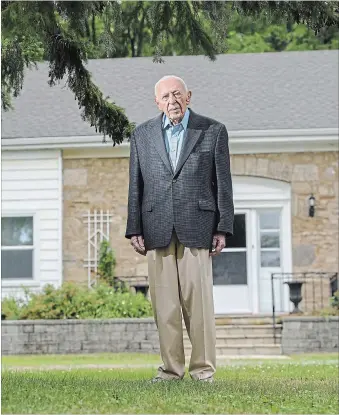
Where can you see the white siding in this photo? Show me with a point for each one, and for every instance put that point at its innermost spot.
(32, 184)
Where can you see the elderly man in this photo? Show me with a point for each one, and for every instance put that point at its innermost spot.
(180, 211)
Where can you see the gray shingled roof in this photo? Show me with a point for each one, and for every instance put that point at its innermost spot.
(244, 91)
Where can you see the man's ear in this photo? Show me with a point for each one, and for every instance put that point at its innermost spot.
(189, 96)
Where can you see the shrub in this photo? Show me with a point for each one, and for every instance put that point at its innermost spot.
(107, 262)
(10, 309)
(335, 301)
(73, 301)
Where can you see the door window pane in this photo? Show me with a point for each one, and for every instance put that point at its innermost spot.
(269, 219)
(238, 240)
(17, 264)
(269, 240)
(230, 268)
(16, 231)
(270, 259)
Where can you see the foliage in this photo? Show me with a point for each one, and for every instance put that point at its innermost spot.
(74, 301)
(107, 263)
(10, 308)
(335, 301)
(278, 38)
(65, 50)
(67, 33)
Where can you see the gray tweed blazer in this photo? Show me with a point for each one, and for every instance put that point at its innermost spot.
(196, 199)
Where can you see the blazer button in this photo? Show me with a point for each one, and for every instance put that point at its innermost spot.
(174, 180)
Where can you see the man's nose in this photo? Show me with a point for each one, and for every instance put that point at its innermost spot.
(172, 99)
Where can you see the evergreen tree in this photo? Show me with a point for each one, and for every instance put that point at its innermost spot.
(67, 30)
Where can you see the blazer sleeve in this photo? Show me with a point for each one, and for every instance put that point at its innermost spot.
(224, 189)
(135, 192)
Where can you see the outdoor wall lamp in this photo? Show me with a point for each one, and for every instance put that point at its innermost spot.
(311, 204)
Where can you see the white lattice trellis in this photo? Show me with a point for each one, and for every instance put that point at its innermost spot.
(98, 227)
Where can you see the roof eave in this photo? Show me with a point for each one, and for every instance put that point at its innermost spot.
(246, 141)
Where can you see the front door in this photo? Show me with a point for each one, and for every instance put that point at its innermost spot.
(232, 269)
(242, 272)
(270, 241)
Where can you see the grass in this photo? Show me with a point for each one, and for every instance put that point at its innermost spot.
(80, 359)
(122, 359)
(316, 357)
(260, 388)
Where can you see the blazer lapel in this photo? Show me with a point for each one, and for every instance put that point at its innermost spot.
(159, 142)
(192, 136)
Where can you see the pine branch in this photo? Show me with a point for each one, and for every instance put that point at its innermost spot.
(66, 58)
(13, 63)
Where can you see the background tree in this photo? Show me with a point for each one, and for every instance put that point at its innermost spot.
(67, 33)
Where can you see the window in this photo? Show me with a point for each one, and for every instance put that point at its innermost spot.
(17, 247)
(269, 225)
(230, 267)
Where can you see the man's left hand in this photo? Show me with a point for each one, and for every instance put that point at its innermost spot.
(219, 243)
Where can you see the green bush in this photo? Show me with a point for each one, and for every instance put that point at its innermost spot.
(335, 300)
(73, 301)
(107, 263)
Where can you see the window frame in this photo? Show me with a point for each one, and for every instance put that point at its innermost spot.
(15, 282)
(267, 231)
(246, 249)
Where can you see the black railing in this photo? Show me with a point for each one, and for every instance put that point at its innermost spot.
(312, 290)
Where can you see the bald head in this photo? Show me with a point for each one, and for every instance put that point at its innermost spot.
(172, 97)
(170, 77)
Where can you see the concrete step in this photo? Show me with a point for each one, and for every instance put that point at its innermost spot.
(244, 349)
(244, 319)
(248, 339)
(246, 329)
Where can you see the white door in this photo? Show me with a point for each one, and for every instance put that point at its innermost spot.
(242, 272)
(232, 269)
(271, 255)
(261, 245)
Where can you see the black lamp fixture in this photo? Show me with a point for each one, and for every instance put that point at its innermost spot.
(311, 206)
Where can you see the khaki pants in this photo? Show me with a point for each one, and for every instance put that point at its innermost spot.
(181, 284)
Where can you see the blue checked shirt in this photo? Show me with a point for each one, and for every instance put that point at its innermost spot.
(174, 136)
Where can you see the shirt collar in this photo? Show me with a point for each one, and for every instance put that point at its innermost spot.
(184, 122)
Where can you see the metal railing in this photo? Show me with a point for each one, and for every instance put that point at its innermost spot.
(312, 290)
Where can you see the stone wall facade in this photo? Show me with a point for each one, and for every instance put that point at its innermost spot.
(102, 183)
(79, 336)
(310, 335)
(96, 184)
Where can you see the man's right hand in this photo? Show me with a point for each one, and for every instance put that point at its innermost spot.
(137, 242)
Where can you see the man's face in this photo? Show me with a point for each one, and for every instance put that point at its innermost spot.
(172, 99)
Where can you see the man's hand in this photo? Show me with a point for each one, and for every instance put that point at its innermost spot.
(219, 243)
(138, 244)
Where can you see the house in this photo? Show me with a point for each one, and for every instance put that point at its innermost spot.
(64, 190)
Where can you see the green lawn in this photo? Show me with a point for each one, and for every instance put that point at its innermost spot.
(128, 359)
(81, 359)
(254, 388)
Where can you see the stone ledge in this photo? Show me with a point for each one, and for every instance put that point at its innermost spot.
(79, 336)
(310, 334)
(79, 321)
(309, 318)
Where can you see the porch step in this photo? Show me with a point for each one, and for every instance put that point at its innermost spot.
(250, 319)
(246, 329)
(243, 350)
(244, 335)
(247, 339)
